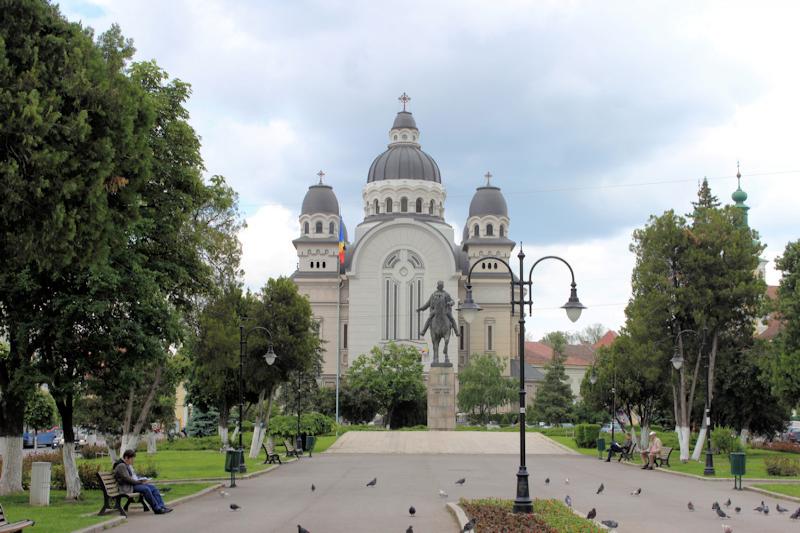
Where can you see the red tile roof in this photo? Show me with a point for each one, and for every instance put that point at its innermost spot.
(538, 353)
(606, 340)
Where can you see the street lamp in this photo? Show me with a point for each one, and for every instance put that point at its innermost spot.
(677, 362)
(269, 358)
(593, 380)
(469, 310)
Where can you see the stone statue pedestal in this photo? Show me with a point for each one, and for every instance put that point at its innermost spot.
(442, 397)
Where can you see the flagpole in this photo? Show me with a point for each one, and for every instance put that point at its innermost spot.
(338, 338)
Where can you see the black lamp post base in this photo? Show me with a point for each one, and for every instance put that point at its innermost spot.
(523, 503)
(709, 469)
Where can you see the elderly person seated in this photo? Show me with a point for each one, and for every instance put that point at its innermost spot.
(617, 448)
(654, 450)
(128, 481)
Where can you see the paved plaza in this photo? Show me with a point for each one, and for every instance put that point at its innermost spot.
(281, 499)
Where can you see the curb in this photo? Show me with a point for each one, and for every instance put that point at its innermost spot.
(220, 479)
(102, 526)
(190, 497)
(773, 494)
(459, 514)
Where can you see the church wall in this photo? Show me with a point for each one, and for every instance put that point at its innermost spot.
(322, 296)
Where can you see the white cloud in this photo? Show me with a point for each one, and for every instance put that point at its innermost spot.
(267, 249)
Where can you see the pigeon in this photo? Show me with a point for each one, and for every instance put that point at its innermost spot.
(636, 492)
(592, 514)
(721, 513)
(313, 488)
(715, 506)
(373, 482)
(600, 488)
(760, 508)
(690, 505)
(566, 481)
(412, 511)
(470, 526)
(442, 493)
(461, 481)
(223, 494)
(766, 509)
(737, 509)
(547, 481)
(410, 529)
(610, 524)
(568, 501)
(235, 507)
(728, 503)
(301, 529)
(795, 515)
(780, 509)
(726, 528)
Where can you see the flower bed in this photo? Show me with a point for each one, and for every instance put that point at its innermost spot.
(549, 516)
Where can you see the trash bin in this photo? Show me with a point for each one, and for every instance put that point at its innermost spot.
(311, 440)
(298, 444)
(40, 484)
(738, 460)
(601, 447)
(232, 460)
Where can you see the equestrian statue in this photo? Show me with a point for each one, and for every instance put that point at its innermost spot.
(440, 321)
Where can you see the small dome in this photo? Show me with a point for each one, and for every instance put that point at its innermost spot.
(739, 196)
(488, 200)
(320, 199)
(404, 119)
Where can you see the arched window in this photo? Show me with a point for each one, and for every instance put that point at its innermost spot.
(305, 228)
(323, 265)
(430, 208)
(388, 205)
(330, 228)
(395, 136)
(318, 227)
(404, 204)
(502, 230)
(377, 207)
(419, 205)
(489, 230)
(312, 264)
(476, 231)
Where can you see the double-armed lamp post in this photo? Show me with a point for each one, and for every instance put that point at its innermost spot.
(469, 310)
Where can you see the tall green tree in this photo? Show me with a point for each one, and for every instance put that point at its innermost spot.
(553, 402)
(391, 376)
(785, 356)
(482, 386)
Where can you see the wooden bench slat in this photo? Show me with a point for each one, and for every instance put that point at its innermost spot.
(9, 527)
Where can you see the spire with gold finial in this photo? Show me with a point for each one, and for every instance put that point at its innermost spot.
(739, 196)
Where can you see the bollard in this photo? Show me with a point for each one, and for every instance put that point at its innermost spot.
(40, 484)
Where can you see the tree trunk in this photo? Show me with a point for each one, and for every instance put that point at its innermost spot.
(744, 435)
(71, 476)
(151, 442)
(683, 420)
(11, 476)
(262, 426)
(704, 429)
(222, 425)
(130, 436)
(701, 439)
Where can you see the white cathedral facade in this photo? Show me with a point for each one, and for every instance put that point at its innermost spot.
(396, 256)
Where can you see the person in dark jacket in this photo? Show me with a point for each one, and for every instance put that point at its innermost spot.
(617, 448)
(128, 481)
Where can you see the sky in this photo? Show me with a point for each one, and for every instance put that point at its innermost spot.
(591, 116)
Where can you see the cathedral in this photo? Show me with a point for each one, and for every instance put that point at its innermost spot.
(369, 295)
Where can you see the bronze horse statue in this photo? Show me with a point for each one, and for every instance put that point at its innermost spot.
(440, 321)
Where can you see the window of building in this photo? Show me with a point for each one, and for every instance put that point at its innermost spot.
(461, 337)
(476, 230)
(404, 204)
(318, 227)
(331, 228)
(502, 230)
(419, 205)
(344, 335)
(323, 264)
(311, 265)
(489, 340)
(430, 208)
(489, 230)
(388, 205)
(305, 228)
(377, 207)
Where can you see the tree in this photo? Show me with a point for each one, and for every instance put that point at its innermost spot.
(391, 376)
(591, 334)
(553, 402)
(785, 356)
(40, 412)
(483, 387)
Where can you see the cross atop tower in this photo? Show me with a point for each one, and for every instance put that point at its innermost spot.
(488, 177)
(404, 99)
(321, 175)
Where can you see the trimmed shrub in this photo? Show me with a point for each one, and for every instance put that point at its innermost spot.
(310, 424)
(586, 435)
(723, 440)
(192, 444)
(782, 466)
(93, 451)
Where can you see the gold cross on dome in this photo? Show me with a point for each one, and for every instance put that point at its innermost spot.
(488, 177)
(321, 175)
(404, 98)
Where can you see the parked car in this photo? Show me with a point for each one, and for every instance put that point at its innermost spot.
(58, 442)
(792, 435)
(43, 439)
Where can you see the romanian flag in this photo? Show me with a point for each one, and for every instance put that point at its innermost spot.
(341, 242)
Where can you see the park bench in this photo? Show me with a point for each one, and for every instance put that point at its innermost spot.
(627, 455)
(291, 450)
(12, 527)
(111, 494)
(269, 449)
(663, 458)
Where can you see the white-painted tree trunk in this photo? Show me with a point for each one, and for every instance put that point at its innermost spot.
(35, 440)
(744, 436)
(11, 475)
(151, 443)
(223, 435)
(91, 439)
(235, 437)
(129, 442)
(259, 432)
(701, 439)
(683, 440)
(71, 476)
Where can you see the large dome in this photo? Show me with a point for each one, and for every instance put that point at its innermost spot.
(404, 159)
(320, 199)
(488, 201)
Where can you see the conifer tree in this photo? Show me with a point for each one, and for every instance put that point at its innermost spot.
(553, 403)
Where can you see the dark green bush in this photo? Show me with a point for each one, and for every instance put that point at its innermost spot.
(310, 424)
(193, 443)
(778, 465)
(203, 423)
(586, 435)
(723, 440)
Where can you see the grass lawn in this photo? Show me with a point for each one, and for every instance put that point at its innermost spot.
(783, 488)
(197, 464)
(754, 466)
(323, 443)
(62, 516)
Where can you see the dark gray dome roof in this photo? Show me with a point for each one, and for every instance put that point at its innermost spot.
(320, 199)
(488, 201)
(404, 119)
(404, 161)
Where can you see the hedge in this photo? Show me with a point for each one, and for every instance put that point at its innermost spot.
(586, 435)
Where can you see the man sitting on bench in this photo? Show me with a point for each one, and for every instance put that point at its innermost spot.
(616, 448)
(649, 455)
(128, 481)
